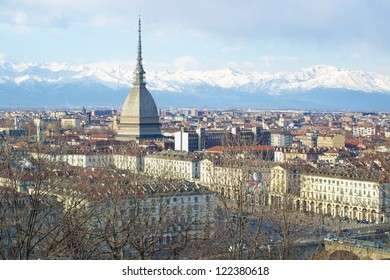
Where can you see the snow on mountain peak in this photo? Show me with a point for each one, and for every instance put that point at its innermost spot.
(114, 75)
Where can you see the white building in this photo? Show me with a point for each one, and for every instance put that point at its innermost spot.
(281, 138)
(364, 130)
(346, 193)
(173, 164)
(133, 163)
(76, 156)
(70, 123)
(189, 141)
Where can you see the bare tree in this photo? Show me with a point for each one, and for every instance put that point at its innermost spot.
(258, 209)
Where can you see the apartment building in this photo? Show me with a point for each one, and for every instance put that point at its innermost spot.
(352, 194)
(281, 138)
(364, 130)
(173, 164)
(331, 141)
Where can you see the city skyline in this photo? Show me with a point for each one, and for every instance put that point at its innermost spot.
(253, 36)
(265, 134)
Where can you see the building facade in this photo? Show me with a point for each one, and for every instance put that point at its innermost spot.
(190, 141)
(346, 195)
(364, 130)
(331, 141)
(169, 164)
(281, 138)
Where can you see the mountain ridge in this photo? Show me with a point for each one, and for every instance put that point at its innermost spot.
(48, 81)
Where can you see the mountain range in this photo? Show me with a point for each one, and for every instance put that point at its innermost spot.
(321, 87)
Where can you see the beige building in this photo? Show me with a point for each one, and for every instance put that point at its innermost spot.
(224, 178)
(234, 178)
(309, 141)
(331, 141)
(288, 154)
(283, 185)
(328, 157)
(70, 123)
(20, 181)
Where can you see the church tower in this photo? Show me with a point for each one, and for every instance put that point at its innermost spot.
(139, 117)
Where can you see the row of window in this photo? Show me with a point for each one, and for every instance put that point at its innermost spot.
(339, 182)
(354, 191)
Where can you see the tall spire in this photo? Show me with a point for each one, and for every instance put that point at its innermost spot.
(139, 70)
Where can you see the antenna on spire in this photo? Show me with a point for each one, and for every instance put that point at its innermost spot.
(139, 70)
(139, 58)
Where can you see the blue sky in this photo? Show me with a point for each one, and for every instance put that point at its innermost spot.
(254, 35)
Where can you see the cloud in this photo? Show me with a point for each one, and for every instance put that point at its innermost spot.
(2, 56)
(19, 18)
(237, 31)
(269, 60)
(233, 48)
(246, 65)
(18, 21)
(57, 20)
(317, 20)
(185, 62)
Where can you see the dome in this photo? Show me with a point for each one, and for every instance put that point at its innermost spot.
(139, 104)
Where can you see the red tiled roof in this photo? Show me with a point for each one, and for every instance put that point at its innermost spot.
(19, 144)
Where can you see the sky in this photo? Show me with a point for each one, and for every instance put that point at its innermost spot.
(252, 35)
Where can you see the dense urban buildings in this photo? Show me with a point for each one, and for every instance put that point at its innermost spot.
(142, 183)
(225, 154)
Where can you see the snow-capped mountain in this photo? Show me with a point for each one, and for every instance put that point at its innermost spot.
(107, 83)
(321, 76)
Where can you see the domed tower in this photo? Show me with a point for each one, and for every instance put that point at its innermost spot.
(139, 117)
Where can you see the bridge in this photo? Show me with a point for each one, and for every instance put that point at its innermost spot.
(363, 250)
